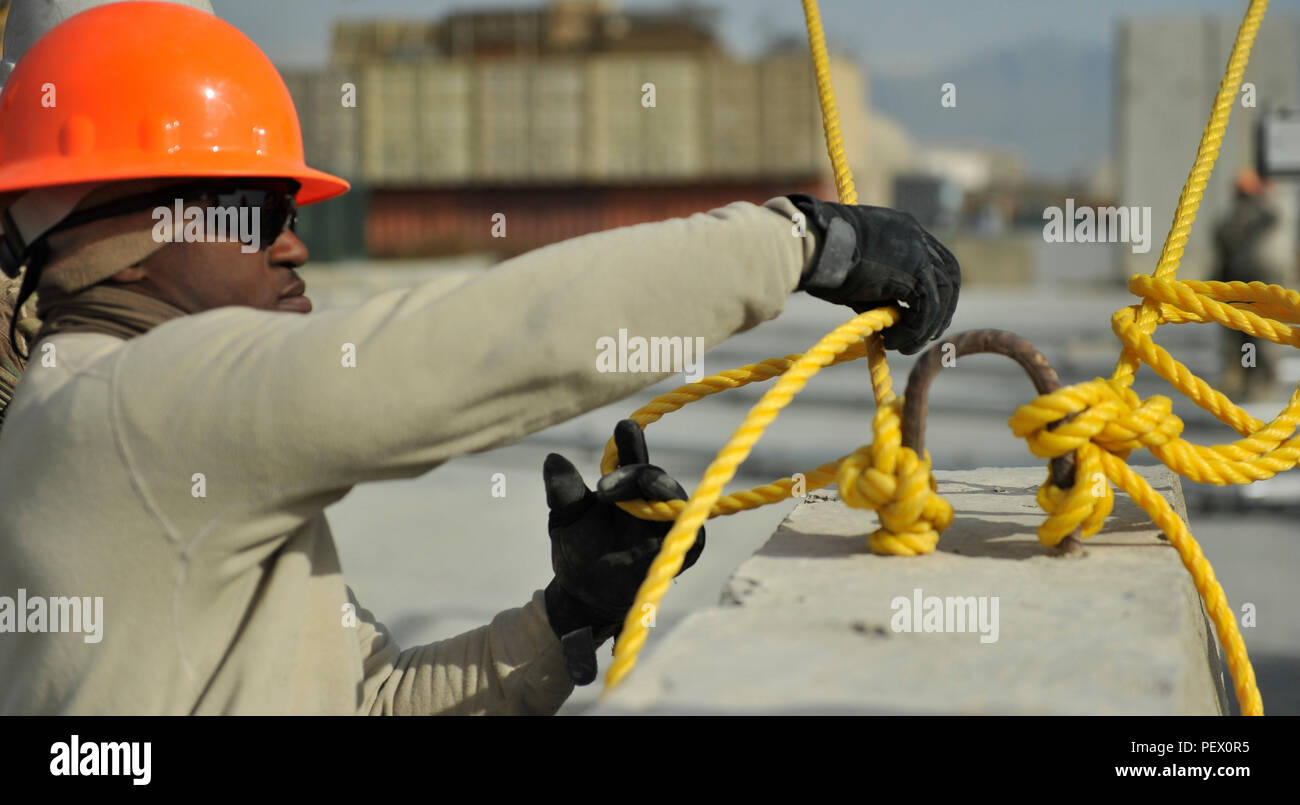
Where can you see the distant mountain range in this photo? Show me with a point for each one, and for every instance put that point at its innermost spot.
(1049, 98)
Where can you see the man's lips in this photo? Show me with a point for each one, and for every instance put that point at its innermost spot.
(293, 300)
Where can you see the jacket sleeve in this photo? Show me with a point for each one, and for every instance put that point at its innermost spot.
(283, 413)
(513, 666)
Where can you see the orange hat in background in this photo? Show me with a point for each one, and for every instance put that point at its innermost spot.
(1248, 182)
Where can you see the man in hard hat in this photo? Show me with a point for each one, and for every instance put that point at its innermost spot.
(180, 426)
(1249, 362)
(21, 28)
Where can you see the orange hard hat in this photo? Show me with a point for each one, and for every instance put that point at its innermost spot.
(142, 90)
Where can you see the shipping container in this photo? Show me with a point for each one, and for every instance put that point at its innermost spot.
(445, 123)
(505, 33)
(332, 130)
(732, 138)
(388, 101)
(615, 119)
(335, 229)
(556, 141)
(793, 142)
(352, 43)
(672, 129)
(296, 81)
(563, 121)
(501, 101)
(432, 222)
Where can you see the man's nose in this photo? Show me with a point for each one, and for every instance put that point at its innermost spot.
(288, 250)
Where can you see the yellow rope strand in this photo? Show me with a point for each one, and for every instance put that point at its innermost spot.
(844, 187)
(1206, 155)
(693, 392)
(1106, 420)
(701, 505)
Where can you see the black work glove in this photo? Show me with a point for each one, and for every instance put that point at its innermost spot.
(599, 552)
(873, 256)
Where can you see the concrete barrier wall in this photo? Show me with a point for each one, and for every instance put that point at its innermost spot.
(813, 623)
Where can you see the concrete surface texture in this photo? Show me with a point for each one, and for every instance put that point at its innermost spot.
(813, 623)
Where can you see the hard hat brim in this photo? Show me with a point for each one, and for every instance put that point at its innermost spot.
(31, 174)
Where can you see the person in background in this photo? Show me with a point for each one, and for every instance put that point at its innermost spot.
(1240, 256)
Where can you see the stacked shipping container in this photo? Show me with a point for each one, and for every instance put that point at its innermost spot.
(390, 136)
(334, 136)
(615, 151)
(790, 117)
(556, 140)
(501, 101)
(732, 126)
(430, 133)
(444, 124)
(423, 222)
(671, 130)
(451, 122)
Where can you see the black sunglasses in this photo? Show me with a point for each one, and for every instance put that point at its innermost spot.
(275, 201)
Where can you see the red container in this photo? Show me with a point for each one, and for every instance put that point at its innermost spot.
(432, 222)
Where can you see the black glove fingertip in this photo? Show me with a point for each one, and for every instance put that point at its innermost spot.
(579, 648)
(629, 438)
(563, 483)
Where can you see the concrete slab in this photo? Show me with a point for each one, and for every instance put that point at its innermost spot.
(813, 623)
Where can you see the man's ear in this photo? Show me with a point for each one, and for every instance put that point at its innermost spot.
(133, 273)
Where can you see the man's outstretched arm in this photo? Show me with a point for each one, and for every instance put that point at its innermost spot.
(283, 410)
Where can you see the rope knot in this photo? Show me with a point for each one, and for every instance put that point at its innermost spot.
(1085, 418)
(1084, 506)
(898, 484)
(1068, 418)
(1142, 423)
(1105, 413)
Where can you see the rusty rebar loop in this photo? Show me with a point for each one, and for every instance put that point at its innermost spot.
(973, 342)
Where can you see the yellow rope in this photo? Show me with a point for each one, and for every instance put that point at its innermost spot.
(1106, 420)
(1110, 420)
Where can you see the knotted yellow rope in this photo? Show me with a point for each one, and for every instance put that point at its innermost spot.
(1106, 420)
(1110, 420)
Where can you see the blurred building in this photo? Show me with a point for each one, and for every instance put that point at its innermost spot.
(889, 153)
(967, 187)
(933, 199)
(565, 119)
(1168, 72)
(565, 27)
(973, 169)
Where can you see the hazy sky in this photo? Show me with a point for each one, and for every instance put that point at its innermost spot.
(897, 36)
